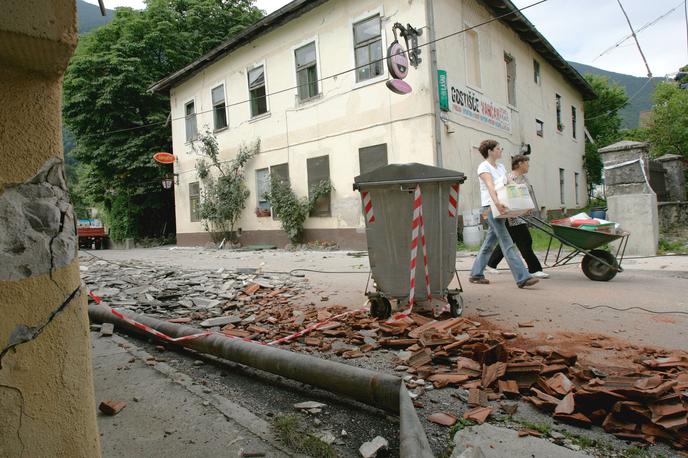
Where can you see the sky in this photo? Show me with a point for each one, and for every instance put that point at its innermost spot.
(582, 29)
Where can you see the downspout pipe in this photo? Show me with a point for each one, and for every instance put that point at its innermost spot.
(375, 389)
(430, 23)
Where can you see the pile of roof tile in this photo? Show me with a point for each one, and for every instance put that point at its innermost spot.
(649, 404)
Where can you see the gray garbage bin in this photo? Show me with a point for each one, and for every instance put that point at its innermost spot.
(387, 196)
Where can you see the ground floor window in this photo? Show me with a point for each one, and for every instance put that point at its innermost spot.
(372, 157)
(194, 201)
(319, 170)
(562, 186)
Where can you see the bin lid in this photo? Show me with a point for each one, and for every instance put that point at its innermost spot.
(407, 173)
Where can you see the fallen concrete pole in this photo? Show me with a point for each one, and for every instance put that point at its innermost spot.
(379, 390)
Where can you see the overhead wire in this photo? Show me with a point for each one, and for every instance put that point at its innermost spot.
(630, 35)
(325, 78)
(635, 37)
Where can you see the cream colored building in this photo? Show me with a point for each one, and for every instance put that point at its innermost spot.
(498, 80)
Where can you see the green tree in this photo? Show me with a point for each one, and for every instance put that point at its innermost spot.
(224, 191)
(603, 122)
(106, 103)
(291, 210)
(668, 126)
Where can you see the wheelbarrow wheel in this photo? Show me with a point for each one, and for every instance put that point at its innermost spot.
(455, 304)
(596, 270)
(380, 307)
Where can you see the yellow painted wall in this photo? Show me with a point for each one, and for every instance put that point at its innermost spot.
(47, 405)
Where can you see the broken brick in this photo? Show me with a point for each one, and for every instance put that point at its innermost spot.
(251, 289)
(566, 405)
(508, 388)
(560, 384)
(442, 380)
(477, 397)
(491, 373)
(478, 414)
(112, 407)
(420, 358)
(443, 418)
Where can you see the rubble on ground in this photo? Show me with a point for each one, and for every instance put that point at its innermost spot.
(648, 403)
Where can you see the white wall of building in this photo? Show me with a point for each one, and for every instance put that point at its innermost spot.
(349, 115)
(346, 117)
(552, 151)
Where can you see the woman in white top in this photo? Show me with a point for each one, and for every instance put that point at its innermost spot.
(492, 174)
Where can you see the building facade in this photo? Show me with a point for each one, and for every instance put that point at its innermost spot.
(307, 81)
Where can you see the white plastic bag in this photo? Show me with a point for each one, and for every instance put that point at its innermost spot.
(516, 198)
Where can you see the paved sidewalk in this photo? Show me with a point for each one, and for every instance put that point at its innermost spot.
(173, 416)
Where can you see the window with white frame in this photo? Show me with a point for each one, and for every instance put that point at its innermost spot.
(574, 120)
(472, 58)
(372, 157)
(510, 64)
(562, 186)
(318, 169)
(190, 121)
(219, 107)
(194, 202)
(306, 71)
(536, 72)
(576, 182)
(539, 128)
(281, 173)
(256, 89)
(560, 125)
(262, 189)
(368, 48)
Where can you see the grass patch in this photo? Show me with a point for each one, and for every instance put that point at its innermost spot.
(458, 426)
(542, 428)
(541, 240)
(673, 246)
(297, 437)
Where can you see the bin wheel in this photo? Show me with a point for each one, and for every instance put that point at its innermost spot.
(455, 304)
(597, 271)
(380, 307)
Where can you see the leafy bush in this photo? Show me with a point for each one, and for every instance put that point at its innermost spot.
(224, 195)
(291, 210)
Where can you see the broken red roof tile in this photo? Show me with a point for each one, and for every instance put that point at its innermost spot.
(420, 358)
(508, 388)
(560, 384)
(442, 380)
(492, 373)
(577, 419)
(566, 405)
(478, 414)
(443, 418)
(477, 397)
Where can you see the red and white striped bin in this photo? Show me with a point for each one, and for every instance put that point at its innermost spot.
(410, 213)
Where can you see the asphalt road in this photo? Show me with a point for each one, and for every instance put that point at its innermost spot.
(659, 284)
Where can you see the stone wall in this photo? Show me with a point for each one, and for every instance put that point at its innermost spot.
(672, 216)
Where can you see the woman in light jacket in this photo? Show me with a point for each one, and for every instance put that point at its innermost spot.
(518, 227)
(492, 174)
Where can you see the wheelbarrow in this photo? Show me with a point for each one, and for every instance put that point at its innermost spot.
(598, 264)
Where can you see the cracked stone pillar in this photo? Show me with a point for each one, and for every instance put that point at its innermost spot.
(631, 202)
(47, 406)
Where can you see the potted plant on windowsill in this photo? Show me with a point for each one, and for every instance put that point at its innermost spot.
(263, 212)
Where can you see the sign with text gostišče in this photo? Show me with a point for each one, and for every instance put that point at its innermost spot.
(476, 106)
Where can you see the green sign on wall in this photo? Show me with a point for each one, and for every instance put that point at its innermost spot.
(443, 90)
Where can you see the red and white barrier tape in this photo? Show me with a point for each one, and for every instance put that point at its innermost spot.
(368, 207)
(453, 200)
(313, 327)
(164, 336)
(417, 227)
